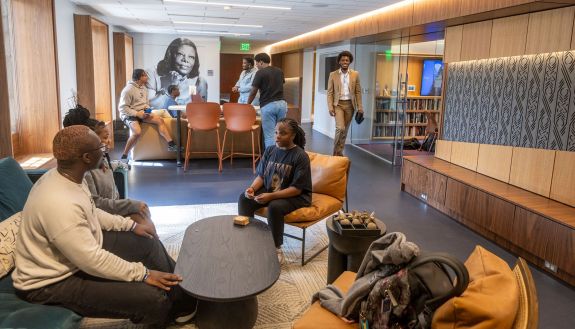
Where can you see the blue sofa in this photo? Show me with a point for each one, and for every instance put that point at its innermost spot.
(14, 312)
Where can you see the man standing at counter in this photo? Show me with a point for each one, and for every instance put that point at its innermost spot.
(269, 80)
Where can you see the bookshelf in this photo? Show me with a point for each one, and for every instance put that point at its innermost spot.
(388, 116)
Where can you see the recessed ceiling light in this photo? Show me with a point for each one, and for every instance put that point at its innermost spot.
(320, 5)
(221, 4)
(227, 7)
(217, 24)
(213, 32)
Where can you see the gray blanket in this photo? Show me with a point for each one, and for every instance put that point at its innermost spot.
(385, 256)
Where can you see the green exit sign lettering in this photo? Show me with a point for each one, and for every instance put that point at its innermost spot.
(244, 46)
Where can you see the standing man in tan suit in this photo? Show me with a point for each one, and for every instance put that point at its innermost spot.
(343, 98)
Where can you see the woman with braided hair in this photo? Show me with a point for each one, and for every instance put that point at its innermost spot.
(283, 182)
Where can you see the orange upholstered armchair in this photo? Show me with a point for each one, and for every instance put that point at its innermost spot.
(329, 192)
(497, 297)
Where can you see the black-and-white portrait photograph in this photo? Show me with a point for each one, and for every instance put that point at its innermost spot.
(177, 61)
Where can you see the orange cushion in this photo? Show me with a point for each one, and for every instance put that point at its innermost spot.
(321, 206)
(490, 301)
(319, 318)
(329, 174)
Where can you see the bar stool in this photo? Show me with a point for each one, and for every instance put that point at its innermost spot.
(203, 117)
(241, 118)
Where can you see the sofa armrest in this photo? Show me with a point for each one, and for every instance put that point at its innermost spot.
(35, 174)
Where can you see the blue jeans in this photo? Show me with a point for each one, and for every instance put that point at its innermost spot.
(271, 113)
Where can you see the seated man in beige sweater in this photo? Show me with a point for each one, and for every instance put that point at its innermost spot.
(72, 254)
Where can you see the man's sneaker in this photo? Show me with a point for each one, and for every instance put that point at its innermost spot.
(172, 148)
(281, 256)
(186, 317)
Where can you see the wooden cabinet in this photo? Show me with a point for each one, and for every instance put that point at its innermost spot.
(498, 217)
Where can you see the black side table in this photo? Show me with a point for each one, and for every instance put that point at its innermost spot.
(345, 253)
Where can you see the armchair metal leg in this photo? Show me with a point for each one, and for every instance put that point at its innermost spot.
(302, 239)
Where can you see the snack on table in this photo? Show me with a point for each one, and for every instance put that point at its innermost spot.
(357, 219)
(241, 220)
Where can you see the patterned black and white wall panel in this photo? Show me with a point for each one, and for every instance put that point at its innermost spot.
(525, 101)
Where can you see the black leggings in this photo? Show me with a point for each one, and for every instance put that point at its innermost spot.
(277, 209)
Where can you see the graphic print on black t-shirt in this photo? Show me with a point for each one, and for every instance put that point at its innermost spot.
(281, 169)
(278, 172)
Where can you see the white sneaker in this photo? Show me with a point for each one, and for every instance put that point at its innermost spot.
(281, 256)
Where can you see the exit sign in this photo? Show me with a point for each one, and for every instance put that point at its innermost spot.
(244, 46)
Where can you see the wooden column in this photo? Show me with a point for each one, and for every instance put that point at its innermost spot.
(93, 66)
(35, 88)
(5, 129)
(123, 63)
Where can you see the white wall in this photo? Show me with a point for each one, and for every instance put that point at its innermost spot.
(322, 121)
(64, 15)
(150, 48)
(307, 86)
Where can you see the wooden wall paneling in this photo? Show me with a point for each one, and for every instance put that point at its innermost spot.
(550, 31)
(427, 11)
(397, 18)
(545, 239)
(475, 7)
(476, 40)
(465, 154)
(532, 169)
(123, 63)
(84, 62)
(5, 126)
(366, 26)
(460, 201)
(102, 85)
(443, 149)
(35, 56)
(433, 188)
(230, 70)
(410, 178)
(509, 36)
(453, 38)
(563, 182)
(495, 161)
(494, 215)
(292, 64)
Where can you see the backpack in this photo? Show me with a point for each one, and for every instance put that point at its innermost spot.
(408, 298)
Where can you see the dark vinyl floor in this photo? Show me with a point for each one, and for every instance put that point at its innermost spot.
(374, 185)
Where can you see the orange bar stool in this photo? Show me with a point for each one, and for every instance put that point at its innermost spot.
(241, 118)
(203, 117)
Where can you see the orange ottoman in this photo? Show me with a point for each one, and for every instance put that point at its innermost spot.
(317, 317)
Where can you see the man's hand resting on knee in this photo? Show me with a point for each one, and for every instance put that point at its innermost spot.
(145, 227)
(162, 280)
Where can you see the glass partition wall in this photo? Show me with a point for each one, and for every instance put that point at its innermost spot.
(401, 81)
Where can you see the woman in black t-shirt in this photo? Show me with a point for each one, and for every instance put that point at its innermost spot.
(283, 182)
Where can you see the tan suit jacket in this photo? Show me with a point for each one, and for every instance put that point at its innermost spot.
(334, 90)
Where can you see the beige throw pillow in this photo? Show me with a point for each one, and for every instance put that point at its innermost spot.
(8, 233)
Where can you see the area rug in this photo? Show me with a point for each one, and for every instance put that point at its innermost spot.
(280, 305)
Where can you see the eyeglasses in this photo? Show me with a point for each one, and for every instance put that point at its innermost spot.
(102, 147)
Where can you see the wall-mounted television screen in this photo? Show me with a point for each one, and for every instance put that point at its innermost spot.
(431, 77)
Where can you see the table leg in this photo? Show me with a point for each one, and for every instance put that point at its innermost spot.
(178, 138)
(238, 315)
